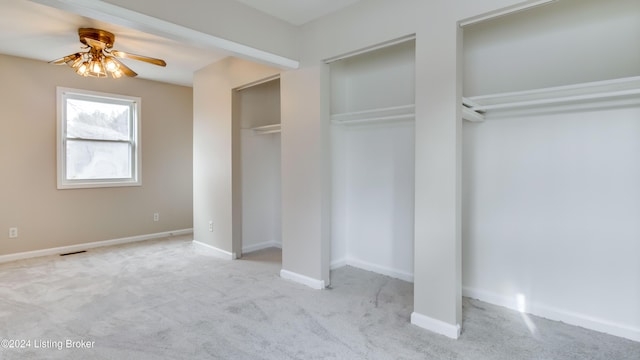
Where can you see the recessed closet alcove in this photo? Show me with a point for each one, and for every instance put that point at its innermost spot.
(257, 111)
(551, 163)
(372, 114)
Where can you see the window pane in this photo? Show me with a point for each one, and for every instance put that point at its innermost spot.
(98, 160)
(97, 120)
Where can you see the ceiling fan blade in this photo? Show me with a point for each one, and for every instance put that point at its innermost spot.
(66, 59)
(150, 60)
(124, 68)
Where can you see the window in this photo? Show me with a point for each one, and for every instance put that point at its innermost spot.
(98, 139)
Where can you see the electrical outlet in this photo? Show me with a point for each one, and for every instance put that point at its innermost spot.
(156, 216)
(13, 233)
(211, 225)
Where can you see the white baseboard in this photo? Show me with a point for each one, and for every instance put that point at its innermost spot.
(397, 274)
(90, 245)
(223, 254)
(551, 313)
(302, 279)
(435, 325)
(261, 246)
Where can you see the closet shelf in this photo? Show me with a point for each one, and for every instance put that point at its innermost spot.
(623, 88)
(380, 115)
(267, 129)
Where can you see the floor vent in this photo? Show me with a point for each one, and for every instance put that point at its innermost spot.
(73, 253)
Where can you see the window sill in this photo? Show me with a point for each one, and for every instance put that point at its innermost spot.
(96, 184)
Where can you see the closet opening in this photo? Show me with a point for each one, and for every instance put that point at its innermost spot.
(256, 116)
(551, 163)
(372, 138)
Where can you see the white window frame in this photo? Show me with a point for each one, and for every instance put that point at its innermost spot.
(135, 104)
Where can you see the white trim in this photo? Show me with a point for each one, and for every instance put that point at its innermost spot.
(505, 11)
(370, 48)
(551, 313)
(223, 254)
(261, 246)
(397, 274)
(135, 107)
(435, 325)
(103, 11)
(258, 82)
(91, 245)
(302, 279)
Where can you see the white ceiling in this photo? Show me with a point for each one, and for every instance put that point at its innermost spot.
(298, 12)
(41, 32)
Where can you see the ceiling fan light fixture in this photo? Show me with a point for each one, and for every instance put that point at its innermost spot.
(100, 60)
(75, 64)
(74, 61)
(110, 65)
(96, 69)
(83, 69)
(117, 74)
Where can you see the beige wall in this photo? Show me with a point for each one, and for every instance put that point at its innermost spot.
(47, 217)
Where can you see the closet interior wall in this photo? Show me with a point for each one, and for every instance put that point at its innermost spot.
(372, 111)
(551, 200)
(258, 110)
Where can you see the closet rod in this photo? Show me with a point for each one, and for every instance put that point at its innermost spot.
(264, 132)
(559, 100)
(267, 129)
(374, 119)
(373, 111)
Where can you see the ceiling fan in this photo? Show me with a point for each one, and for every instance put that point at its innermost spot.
(99, 58)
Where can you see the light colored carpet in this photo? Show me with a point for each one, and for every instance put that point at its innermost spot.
(166, 299)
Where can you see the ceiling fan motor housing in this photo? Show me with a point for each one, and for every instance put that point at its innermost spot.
(96, 34)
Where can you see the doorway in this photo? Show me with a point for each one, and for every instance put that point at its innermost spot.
(257, 112)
